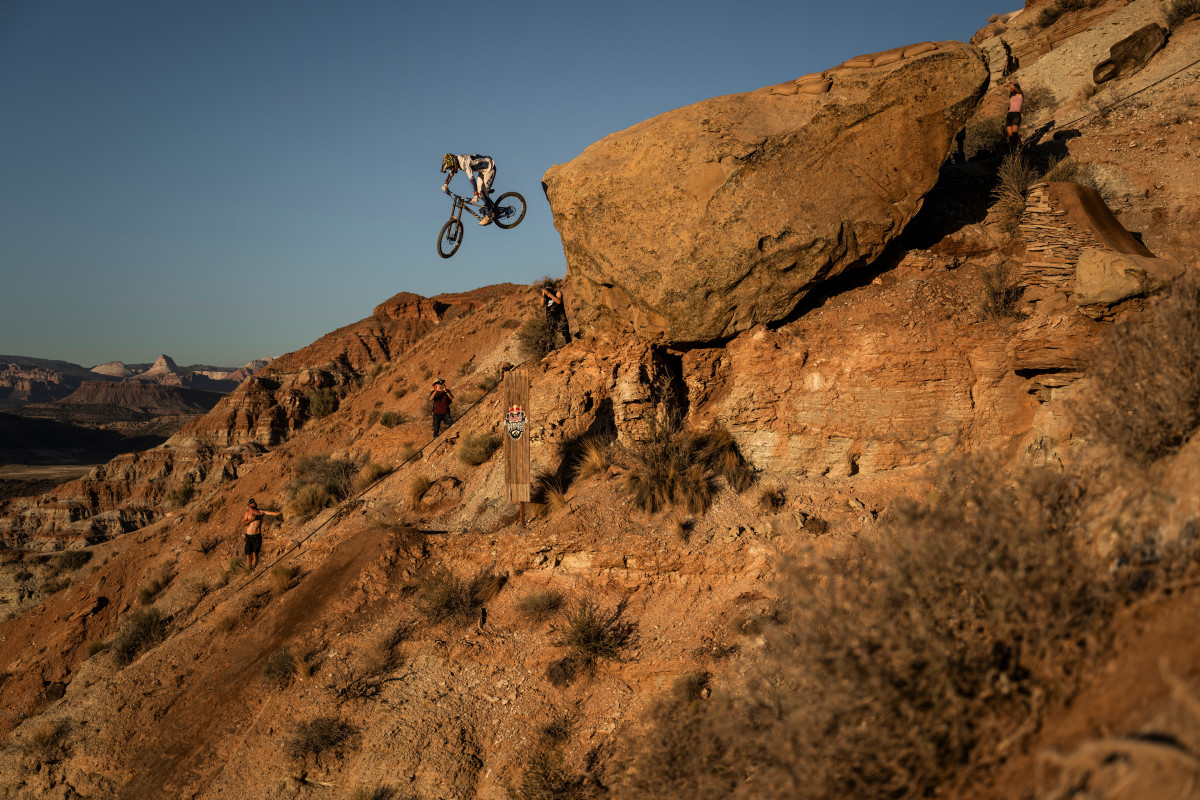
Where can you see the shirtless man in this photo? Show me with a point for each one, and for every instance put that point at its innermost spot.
(252, 522)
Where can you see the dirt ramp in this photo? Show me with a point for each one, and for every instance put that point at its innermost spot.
(1086, 208)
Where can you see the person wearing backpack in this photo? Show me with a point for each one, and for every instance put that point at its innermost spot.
(441, 397)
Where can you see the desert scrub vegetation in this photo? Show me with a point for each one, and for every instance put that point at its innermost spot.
(590, 634)
(984, 135)
(1146, 400)
(771, 499)
(317, 737)
(1181, 11)
(1051, 13)
(72, 560)
(183, 493)
(679, 467)
(418, 487)
(905, 662)
(157, 581)
(1013, 179)
(282, 576)
(390, 419)
(545, 777)
(536, 338)
(322, 402)
(141, 630)
(539, 605)
(279, 670)
(45, 741)
(321, 481)
(477, 448)
(446, 597)
(1001, 290)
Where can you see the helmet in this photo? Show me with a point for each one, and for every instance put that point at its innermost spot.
(449, 162)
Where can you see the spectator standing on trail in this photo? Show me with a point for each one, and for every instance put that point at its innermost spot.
(555, 312)
(441, 397)
(1012, 121)
(252, 522)
(481, 172)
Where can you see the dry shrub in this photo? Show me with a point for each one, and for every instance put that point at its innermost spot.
(539, 605)
(549, 489)
(46, 740)
(1013, 180)
(155, 584)
(902, 665)
(678, 467)
(182, 494)
(322, 402)
(1181, 11)
(592, 633)
(280, 669)
(368, 475)
(73, 559)
(448, 598)
(984, 135)
(95, 648)
(407, 451)
(771, 499)
(209, 543)
(545, 777)
(477, 448)
(418, 487)
(390, 419)
(1147, 378)
(317, 737)
(1001, 290)
(53, 585)
(333, 478)
(595, 456)
(536, 338)
(195, 589)
(141, 630)
(282, 576)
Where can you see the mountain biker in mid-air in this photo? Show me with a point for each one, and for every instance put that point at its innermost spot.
(481, 171)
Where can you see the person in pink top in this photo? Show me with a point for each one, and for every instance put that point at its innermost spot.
(1012, 121)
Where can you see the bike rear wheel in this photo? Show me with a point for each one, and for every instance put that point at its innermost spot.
(510, 210)
(450, 238)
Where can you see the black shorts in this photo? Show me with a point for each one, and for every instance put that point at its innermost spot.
(253, 543)
(1013, 118)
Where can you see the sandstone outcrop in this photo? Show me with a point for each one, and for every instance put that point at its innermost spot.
(705, 221)
(1129, 55)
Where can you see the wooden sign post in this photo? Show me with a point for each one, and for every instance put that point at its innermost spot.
(516, 438)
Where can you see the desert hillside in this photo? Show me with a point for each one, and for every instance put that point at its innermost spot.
(878, 486)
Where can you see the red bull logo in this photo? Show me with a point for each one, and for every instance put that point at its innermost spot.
(514, 422)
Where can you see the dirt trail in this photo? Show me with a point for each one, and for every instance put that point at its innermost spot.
(215, 706)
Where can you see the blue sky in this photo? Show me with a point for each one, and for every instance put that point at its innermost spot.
(221, 180)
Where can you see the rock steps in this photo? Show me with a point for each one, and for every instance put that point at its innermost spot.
(1052, 244)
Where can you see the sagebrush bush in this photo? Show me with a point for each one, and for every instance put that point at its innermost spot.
(477, 448)
(141, 630)
(183, 493)
(368, 475)
(322, 402)
(282, 576)
(390, 419)
(771, 499)
(538, 605)
(593, 633)
(317, 737)
(335, 475)
(1146, 376)
(280, 669)
(446, 597)
(46, 740)
(901, 664)
(536, 338)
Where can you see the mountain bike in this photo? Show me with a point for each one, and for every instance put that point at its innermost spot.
(507, 212)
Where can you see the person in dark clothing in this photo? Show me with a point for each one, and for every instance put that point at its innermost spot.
(555, 312)
(441, 397)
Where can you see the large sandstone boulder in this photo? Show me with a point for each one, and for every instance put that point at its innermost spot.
(707, 220)
(1129, 55)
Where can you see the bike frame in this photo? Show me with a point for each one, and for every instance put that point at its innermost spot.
(463, 204)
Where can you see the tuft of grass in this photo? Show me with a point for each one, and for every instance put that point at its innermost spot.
(54, 585)
(549, 489)
(1001, 290)
(1181, 11)
(418, 487)
(310, 500)
(595, 456)
(536, 338)
(771, 499)
(154, 585)
(390, 419)
(678, 467)
(545, 777)
(46, 741)
(1013, 180)
(477, 448)
(446, 597)
(561, 672)
(1147, 378)
(317, 737)
(592, 633)
(196, 588)
(369, 474)
(282, 576)
(183, 493)
(279, 671)
(984, 135)
(209, 543)
(336, 476)
(141, 630)
(539, 605)
(322, 402)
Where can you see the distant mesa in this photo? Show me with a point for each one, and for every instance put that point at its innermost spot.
(163, 366)
(249, 369)
(113, 369)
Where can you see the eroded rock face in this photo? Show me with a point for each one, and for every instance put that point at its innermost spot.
(707, 220)
(1129, 55)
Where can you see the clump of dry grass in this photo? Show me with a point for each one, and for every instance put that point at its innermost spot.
(900, 665)
(539, 605)
(418, 487)
(1013, 180)
(592, 633)
(536, 338)
(477, 448)
(1001, 289)
(984, 135)
(321, 481)
(155, 583)
(280, 669)
(1181, 11)
(141, 630)
(549, 489)
(1147, 378)
(45, 741)
(771, 499)
(679, 467)
(282, 576)
(446, 597)
(317, 737)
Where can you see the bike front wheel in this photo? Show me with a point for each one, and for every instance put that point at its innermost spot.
(450, 238)
(510, 210)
